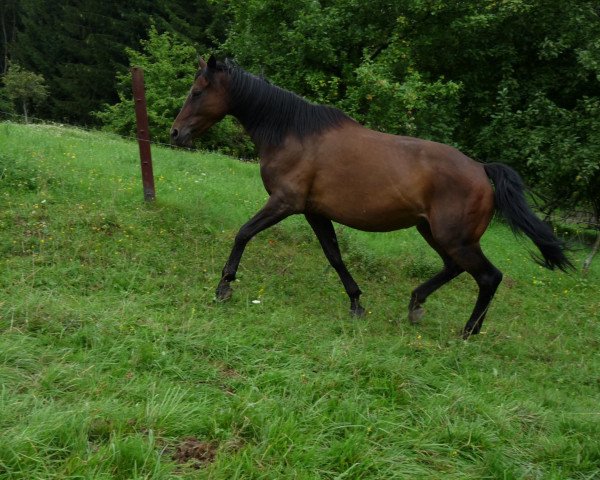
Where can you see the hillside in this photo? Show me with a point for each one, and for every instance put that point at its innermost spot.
(116, 362)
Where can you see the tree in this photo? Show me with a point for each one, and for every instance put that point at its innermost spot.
(80, 45)
(24, 87)
(8, 30)
(169, 64)
(347, 53)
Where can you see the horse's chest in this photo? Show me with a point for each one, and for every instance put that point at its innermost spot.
(284, 177)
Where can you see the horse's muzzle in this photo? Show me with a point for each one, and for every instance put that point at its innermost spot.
(181, 138)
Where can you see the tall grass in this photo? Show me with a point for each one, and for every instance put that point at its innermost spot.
(113, 351)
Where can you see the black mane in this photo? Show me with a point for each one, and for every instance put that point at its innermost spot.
(270, 113)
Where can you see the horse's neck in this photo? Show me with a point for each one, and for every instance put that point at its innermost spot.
(264, 122)
(270, 114)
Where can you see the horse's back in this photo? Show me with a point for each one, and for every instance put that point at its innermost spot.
(375, 181)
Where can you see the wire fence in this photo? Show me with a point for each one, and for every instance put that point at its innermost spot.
(584, 218)
(41, 121)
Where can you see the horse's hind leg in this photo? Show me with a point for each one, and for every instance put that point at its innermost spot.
(451, 270)
(325, 232)
(487, 276)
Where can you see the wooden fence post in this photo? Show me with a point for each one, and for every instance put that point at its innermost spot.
(143, 133)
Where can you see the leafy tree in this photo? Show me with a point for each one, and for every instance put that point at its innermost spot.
(411, 106)
(545, 116)
(556, 149)
(169, 65)
(6, 105)
(352, 54)
(536, 45)
(25, 88)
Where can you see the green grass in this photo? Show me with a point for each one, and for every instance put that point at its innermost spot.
(113, 351)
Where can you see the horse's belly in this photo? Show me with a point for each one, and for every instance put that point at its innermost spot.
(363, 215)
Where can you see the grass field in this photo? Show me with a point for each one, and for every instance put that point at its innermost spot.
(115, 361)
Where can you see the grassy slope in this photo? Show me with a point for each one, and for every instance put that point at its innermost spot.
(112, 350)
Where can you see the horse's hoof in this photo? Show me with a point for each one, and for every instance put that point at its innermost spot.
(224, 292)
(415, 316)
(357, 311)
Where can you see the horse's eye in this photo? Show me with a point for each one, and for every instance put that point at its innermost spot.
(197, 93)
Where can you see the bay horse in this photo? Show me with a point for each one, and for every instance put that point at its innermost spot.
(317, 161)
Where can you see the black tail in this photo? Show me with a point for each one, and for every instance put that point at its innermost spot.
(512, 205)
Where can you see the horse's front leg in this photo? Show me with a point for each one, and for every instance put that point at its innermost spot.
(273, 212)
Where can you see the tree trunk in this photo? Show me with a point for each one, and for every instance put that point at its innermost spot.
(25, 111)
(5, 38)
(588, 260)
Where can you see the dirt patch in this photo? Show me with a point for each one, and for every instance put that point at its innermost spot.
(509, 282)
(227, 370)
(195, 452)
(230, 372)
(227, 373)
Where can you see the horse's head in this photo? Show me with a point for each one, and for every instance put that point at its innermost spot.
(206, 104)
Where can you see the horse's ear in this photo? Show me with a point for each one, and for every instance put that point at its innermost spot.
(201, 63)
(212, 62)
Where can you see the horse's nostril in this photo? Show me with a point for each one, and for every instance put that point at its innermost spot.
(174, 133)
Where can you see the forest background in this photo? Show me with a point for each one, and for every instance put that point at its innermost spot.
(513, 81)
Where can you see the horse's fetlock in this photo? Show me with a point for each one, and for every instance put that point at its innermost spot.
(227, 276)
(416, 300)
(354, 293)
